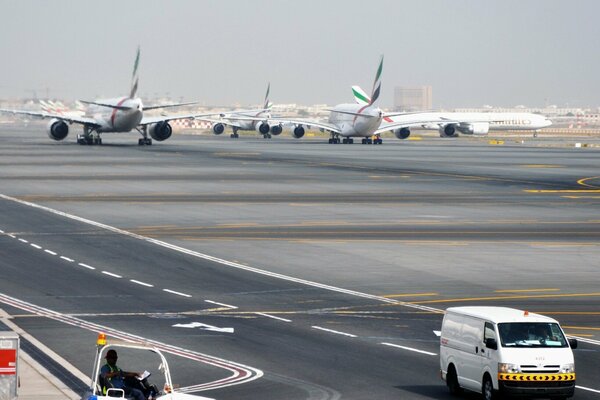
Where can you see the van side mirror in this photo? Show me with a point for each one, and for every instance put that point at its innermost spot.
(573, 343)
(491, 343)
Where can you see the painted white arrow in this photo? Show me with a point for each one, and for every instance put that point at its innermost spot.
(204, 327)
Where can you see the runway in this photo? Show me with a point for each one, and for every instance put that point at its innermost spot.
(330, 262)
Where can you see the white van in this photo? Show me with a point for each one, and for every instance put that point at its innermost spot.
(499, 350)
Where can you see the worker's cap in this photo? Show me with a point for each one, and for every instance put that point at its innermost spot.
(112, 354)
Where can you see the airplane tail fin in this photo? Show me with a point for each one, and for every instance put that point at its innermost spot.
(360, 96)
(267, 105)
(135, 76)
(377, 84)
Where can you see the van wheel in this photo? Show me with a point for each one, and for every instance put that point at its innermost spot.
(488, 389)
(452, 382)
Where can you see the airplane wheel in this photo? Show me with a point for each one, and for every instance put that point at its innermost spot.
(364, 141)
(351, 141)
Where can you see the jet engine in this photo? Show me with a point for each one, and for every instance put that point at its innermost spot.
(160, 131)
(475, 128)
(298, 132)
(218, 128)
(402, 133)
(276, 129)
(448, 130)
(57, 129)
(263, 128)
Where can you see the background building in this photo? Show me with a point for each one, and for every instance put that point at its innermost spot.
(416, 98)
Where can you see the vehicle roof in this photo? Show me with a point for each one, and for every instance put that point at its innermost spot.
(499, 314)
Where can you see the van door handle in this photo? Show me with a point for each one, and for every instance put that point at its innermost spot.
(476, 350)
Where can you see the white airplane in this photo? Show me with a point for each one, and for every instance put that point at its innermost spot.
(262, 127)
(349, 120)
(449, 124)
(122, 114)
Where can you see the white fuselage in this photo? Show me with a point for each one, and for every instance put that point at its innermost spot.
(249, 125)
(356, 125)
(496, 121)
(117, 120)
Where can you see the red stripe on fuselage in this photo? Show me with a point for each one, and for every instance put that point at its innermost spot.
(388, 119)
(114, 113)
(359, 111)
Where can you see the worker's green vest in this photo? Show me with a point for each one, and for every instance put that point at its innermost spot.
(115, 369)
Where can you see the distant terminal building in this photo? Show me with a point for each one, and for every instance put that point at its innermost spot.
(416, 98)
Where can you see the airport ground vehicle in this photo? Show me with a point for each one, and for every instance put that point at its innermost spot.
(167, 392)
(504, 351)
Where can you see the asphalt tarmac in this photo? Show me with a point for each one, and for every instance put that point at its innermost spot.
(295, 269)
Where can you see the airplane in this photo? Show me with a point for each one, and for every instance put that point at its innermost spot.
(348, 120)
(122, 114)
(218, 126)
(449, 124)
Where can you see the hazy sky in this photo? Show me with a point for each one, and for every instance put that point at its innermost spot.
(501, 53)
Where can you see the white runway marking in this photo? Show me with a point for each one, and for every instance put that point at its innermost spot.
(410, 349)
(332, 331)
(86, 266)
(588, 389)
(141, 283)
(23, 240)
(204, 327)
(177, 293)
(274, 317)
(12, 236)
(50, 252)
(1, 231)
(67, 259)
(111, 274)
(221, 304)
(36, 246)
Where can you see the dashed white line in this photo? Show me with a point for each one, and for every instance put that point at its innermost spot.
(274, 317)
(35, 245)
(50, 252)
(12, 236)
(410, 349)
(221, 304)
(332, 331)
(588, 389)
(1, 231)
(141, 283)
(177, 293)
(86, 266)
(111, 274)
(23, 240)
(67, 259)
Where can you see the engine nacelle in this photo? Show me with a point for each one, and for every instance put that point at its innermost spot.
(218, 128)
(298, 132)
(448, 130)
(57, 129)
(402, 133)
(276, 129)
(262, 128)
(160, 131)
(475, 128)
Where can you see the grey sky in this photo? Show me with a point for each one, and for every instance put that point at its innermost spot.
(219, 52)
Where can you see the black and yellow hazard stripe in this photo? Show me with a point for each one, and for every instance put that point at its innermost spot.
(536, 377)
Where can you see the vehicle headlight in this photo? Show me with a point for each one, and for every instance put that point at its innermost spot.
(509, 368)
(567, 368)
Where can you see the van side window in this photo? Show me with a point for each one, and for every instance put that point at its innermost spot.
(489, 332)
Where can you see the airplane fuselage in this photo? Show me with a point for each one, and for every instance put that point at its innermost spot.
(356, 125)
(496, 121)
(114, 119)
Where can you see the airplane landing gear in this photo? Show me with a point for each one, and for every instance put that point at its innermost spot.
(266, 136)
(89, 137)
(145, 140)
(235, 135)
(335, 138)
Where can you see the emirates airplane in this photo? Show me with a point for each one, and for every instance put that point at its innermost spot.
(122, 114)
(449, 124)
(263, 128)
(348, 120)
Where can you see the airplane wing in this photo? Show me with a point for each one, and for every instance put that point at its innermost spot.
(411, 124)
(68, 118)
(319, 124)
(225, 122)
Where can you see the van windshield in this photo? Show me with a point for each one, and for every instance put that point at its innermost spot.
(531, 334)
